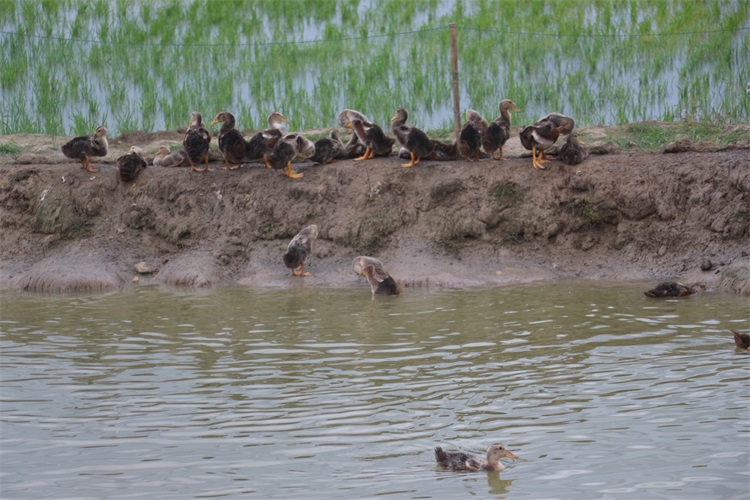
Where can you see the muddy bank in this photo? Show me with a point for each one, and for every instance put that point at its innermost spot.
(641, 216)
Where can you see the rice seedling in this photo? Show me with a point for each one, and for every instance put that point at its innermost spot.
(149, 64)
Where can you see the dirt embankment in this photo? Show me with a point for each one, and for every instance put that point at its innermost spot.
(619, 216)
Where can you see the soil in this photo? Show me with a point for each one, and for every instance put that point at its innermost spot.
(617, 216)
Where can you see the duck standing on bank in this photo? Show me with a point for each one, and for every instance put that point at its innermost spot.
(131, 164)
(543, 134)
(498, 132)
(373, 137)
(470, 136)
(572, 152)
(413, 139)
(84, 147)
(299, 249)
(231, 143)
(196, 141)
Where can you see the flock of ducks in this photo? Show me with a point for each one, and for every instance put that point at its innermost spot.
(278, 148)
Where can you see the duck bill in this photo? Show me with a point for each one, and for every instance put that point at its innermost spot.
(394, 118)
(510, 454)
(514, 108)
(213, 122)
(349, 125)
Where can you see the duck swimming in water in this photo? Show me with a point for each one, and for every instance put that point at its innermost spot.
(463, 461)
(741, 340)
(673, 289)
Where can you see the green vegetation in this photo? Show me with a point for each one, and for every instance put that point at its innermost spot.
(9, 148)
(69, 65)
(653, 136)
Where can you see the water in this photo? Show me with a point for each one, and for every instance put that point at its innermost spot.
(326, 393)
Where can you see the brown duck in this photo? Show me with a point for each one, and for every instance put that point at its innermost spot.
(413, 139)
(463, 461)
(131, 164)
(84, 147)
(470, 137)
(543, 134)
(328, 149)
(741, 340)
(165, 158)
(498, 132)
(196, 141)
(299, 249)
(231, 143)
(374, 139)
(572, 152)
(673, 289)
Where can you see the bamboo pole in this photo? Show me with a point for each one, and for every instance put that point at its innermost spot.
(454, 71)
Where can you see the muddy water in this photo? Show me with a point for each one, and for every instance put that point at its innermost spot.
(314, 393)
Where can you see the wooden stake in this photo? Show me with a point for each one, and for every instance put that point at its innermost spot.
(454, 71)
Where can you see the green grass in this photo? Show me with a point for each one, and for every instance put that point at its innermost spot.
(10, 148)
(141, 65)
(653, 136)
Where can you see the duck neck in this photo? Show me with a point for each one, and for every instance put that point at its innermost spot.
(227, 125)
(505, 116)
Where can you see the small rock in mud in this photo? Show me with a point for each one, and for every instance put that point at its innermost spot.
(706, 265)
(144, 267)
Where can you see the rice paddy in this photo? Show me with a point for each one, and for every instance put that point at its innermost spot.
(69, 65)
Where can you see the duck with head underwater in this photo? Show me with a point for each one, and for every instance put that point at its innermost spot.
(84, 147)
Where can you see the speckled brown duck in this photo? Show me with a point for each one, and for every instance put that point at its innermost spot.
(299, 249)
(84, 147)
(131, 164)
(372, 136)
(543, 134)
(674, 289)
(498, 132)
(196, 142)
(470, 136)
(328, 149)
(573, 151)
(231, 143)
(413, 139)
(465, 462)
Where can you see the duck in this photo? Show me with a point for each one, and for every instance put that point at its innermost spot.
(196, 141)
(354, 148)
(328, 148)
(166, 158)
(381, 282)
(346, 116)
(131, 164)
(443, 151)
(543, 134)
(572, 152)
(373, 137)
(498, 132)
(741, 340)
(673, 289)
(413, 139)
(454, 460)
(299, 249)
(470, 136)
(282, 154)
(264, 141)
(231, 143)
(84, 147)
(305, 148)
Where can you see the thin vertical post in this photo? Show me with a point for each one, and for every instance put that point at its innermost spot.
(454, 71)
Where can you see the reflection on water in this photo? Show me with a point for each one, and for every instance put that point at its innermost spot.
(328, 393)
